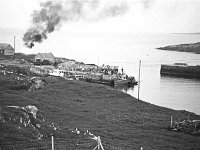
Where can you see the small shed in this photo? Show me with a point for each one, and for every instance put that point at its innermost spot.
(44, 56)
(6, 51)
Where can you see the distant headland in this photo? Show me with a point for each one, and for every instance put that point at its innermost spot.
(187, 33)
(192, 48)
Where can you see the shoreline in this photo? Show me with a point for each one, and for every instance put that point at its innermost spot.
(191, 48)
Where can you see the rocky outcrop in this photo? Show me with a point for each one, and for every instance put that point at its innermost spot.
(37, 83)
(27, 125)
(186, 126)
(26, 122)
(192, 48)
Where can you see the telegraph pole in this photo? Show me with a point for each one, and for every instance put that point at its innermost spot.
(14, 43)
(98, 60)
(139, 81)
(14, 47)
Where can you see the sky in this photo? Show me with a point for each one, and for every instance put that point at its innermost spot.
(141, 16)
(110, 16)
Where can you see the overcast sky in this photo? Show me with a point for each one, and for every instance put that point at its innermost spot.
(92, 28)
(141, 16)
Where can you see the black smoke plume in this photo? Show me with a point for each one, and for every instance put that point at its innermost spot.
(53, 13)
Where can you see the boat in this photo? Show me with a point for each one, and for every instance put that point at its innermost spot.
(58, 73)
(180, 69)
(125, 81)
(75, 75)
(111, 80)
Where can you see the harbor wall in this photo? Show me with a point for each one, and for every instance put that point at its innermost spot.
(192, 71)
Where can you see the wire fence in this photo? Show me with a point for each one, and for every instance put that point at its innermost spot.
(56, 144)
(47, 145)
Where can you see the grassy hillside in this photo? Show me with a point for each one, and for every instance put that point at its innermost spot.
(122, 121)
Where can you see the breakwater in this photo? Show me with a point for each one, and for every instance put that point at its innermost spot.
(181, 70)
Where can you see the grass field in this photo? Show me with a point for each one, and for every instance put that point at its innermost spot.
(121, 121)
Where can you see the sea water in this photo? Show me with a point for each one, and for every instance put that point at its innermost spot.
(126, 50)
(172, 92)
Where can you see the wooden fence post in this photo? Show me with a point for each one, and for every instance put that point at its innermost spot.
(171, 122)
(52, 142)
(100, 143)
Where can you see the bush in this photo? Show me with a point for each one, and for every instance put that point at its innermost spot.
(37, 62)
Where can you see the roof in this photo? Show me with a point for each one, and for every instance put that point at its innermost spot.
(6, 46)
(44, 55)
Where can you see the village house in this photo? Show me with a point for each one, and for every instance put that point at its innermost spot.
(40, 57)
(6, 51)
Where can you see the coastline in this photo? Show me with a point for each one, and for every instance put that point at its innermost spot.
(187, 33)
(122, 121)
(191, 47)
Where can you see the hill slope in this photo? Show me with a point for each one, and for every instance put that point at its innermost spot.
(122, 121)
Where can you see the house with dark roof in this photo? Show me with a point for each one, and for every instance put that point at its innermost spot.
(40, 57)
(6, 51)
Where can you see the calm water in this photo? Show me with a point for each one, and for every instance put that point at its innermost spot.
(172, 92)
(125, 50)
